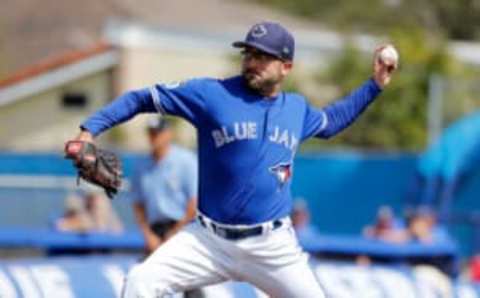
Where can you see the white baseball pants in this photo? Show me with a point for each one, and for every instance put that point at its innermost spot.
(195, 257)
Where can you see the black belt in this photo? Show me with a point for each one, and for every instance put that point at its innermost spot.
(236, 233)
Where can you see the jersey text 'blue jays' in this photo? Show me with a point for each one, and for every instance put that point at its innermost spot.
(248, 131)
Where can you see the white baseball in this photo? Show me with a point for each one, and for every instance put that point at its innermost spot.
(389, 55)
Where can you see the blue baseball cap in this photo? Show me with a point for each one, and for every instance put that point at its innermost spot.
(271, 38)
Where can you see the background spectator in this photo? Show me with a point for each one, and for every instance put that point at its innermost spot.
(423, 226)
(301, 220)
(75, 217)
(89, 212)
(164, 187)
(101, 213)
(386, 227)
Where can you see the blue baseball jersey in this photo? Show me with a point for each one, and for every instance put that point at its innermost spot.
(246, 142)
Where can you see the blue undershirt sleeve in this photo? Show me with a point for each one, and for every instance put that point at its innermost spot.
(120, 110)
(329, 121)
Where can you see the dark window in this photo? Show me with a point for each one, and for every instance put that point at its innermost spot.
(74, 100)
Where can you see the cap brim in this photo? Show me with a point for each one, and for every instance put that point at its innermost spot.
(239, 44)
(243, 44)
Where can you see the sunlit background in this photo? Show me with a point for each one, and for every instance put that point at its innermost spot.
(393, 200)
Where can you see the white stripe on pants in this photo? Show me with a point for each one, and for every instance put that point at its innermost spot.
(195, 257)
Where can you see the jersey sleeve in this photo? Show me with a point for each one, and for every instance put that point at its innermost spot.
(329, 121)
(183, 99)
(119, 110)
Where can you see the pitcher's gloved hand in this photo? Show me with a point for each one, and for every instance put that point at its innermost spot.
(97, 166)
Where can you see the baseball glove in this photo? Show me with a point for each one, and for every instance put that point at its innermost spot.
(97, 166)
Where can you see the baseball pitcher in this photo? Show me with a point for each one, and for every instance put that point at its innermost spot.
(248, 132)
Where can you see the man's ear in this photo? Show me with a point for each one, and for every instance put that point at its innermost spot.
(287, 67)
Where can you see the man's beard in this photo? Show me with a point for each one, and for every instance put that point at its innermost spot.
(258, 83)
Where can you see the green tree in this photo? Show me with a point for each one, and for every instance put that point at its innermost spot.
(457, 19)
(397, 120)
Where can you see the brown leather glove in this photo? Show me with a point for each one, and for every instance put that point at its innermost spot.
(97, 166)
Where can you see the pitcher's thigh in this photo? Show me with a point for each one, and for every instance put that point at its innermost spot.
(292, 281)
(184, 262)
(278, 266)
(298, 280)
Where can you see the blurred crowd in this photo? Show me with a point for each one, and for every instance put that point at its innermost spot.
(419, 224)
(88, 212)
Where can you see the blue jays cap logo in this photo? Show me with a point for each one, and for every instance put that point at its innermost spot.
(258, 31)
(271, 38)
(282, 171)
